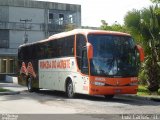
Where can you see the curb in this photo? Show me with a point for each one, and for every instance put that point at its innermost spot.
(9, 93)
(141, 97)
(155, 99)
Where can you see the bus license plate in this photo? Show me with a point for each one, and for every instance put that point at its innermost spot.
(117, 91)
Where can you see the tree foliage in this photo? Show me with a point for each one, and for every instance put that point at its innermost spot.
(114, 27)
(155, 1)
(145, 25)
(69, 27)
(132, 19)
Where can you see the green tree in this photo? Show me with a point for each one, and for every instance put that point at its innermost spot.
(146, 25)
(69, 27)
(132, 22)
(113, 27)
(105, 25)
(155, 1)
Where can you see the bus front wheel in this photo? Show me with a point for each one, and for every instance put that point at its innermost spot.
(69, 89)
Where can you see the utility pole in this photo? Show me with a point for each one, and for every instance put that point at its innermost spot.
(25, 29)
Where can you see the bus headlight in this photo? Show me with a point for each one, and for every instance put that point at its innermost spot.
(99, 83)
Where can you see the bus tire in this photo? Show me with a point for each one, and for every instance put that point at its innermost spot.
(29, 84)
(108, 97)
(69, 89)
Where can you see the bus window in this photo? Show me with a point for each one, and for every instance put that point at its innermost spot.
(40, 51)
(33, 52)
(84, 64)
(69, 42)
(53, 48)
(80, 45)
(20, 54)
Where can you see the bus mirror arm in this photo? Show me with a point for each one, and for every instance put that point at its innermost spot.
(89, 50)
(141, 52)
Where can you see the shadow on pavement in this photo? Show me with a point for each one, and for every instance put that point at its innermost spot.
(44, 96)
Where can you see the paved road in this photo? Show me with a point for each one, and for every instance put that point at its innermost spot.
(52, 102)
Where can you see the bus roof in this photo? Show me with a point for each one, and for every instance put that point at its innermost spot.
(86, 32)
(77, 31)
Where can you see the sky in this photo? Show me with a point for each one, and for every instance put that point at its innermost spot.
(93, 11)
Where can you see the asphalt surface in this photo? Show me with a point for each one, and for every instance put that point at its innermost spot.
(53, 104)
(16, 89)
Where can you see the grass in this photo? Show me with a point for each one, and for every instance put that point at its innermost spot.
(4, 90)
(143, 91)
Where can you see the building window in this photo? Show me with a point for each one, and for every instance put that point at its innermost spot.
(7, 65)
(50, 16)
(4, 38)
(4, 65)
(70, 18)
(61, 19)
(12, 66)
(3, 43)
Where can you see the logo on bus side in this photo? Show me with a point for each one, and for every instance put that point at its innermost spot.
(31, 70)
(55, 64)
(23, 69)
(27, 70)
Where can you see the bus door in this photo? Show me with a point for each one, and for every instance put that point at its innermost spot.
(82, 82)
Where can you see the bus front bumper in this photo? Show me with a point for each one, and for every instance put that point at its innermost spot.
(112, 90)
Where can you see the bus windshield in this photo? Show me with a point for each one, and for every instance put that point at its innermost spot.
(113, 56)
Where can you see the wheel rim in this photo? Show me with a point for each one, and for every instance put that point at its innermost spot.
(29, 84)
(70, 90)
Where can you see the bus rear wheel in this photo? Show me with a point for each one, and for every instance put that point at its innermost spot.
(29, 84)
(69, 89)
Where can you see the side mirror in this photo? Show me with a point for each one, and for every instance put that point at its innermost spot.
(141, 52)
(89, 50)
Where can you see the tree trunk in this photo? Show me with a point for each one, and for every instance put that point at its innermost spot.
(153, 71)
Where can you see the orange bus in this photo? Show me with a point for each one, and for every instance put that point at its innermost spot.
(93, 62)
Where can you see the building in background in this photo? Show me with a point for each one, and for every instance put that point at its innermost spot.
(24, 21)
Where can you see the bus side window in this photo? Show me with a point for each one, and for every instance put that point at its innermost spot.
(54, 49)
(59, 47)
(26, 53)
(20, 54)
(84, 64)
(40, 50)
(80, 51)
(69, 46)
(33, 52)
(47, 50)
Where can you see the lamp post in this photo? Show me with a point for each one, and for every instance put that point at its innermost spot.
(25, 29)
